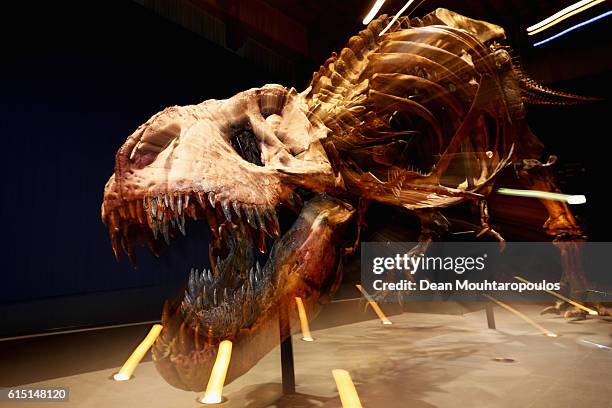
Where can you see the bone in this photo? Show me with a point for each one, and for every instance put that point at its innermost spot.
(260, 220)
(225, 205)
(250, 216)
(273, 225)
(153, 207)
(181, 225)
(205, 300)
(140, 213)
(132, 209)
(202, 199)
(236, 206)
(122, 211)
(171, 201)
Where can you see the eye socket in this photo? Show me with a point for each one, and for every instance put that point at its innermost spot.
(245, 143)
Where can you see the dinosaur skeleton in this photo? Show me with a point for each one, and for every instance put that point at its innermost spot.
(423, 117)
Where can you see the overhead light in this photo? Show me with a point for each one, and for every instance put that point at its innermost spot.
(399, 13)
(373, 11)
(572, 28)
(543, 195)
(561, 15)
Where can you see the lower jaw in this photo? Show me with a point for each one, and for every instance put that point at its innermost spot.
(305, 261)
(185, 360)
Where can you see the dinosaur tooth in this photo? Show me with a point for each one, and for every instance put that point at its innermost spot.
(132, 209)
(236, 206)
(250, 216)
(260, 219)
(114, 221)
(181, 225)
(115, 244)
(273, 224)
(122, 211)
(140, 212)
(215, 296)
(167, 204)
(258, 269)
(261, 242)
(179, 203)
(211, 199)
(225, 205)
(186, 204)
(252, 278)
(160, 204)
(153, 207)
(201, 199)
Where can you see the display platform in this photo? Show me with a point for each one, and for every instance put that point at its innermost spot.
(421, 360)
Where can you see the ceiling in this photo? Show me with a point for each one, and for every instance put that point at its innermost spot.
(301, 34)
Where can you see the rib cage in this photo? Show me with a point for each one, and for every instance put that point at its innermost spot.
(456, 93)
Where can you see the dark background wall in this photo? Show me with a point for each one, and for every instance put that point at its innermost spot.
(76, 78)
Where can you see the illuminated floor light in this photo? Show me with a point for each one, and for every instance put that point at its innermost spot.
(399, 13)
(346, 389)
(374, 306)
(600, 346)
(522, 316)
(373, 11)
(214, 389)
(560, 296)
(303, 320)
(561, 15)
(544, 195)
(572, 28)
(125, 373)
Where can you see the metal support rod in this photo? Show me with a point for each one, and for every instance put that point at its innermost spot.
(287, 368)
(490, 315)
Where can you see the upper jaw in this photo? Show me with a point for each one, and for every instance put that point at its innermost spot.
(149, 217)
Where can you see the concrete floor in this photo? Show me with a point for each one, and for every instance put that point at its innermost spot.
(422, 360)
